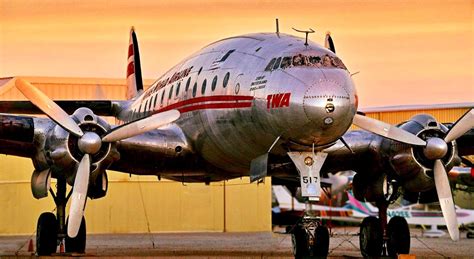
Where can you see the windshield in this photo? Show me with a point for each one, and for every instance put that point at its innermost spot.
(323, 61)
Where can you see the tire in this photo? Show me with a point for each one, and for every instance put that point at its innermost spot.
(78, 243)
(299, 240)
(321, 242)
(399, 236)
(470, 234)
(359, 187)
(46, 234)
(371, 237)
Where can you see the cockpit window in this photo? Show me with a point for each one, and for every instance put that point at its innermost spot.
(270, 65)
(277, 63)
(325, 61)
(286, 62)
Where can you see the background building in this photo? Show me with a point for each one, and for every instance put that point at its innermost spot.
(137, 204)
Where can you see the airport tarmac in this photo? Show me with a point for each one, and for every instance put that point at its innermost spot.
(344, 243)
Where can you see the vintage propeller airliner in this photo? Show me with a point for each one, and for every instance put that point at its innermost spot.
(263, 104)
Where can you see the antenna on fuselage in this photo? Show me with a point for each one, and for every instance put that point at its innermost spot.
(277, 28)
(306, 33)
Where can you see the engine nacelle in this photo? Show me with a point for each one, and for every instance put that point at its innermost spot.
(410, 163)
(98, 188)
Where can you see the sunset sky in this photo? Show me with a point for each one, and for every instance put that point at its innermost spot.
(407, 52)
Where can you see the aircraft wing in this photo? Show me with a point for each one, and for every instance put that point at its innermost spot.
(153, 152)
(99, 107)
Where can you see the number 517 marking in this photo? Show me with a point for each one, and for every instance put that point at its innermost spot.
(309, 179)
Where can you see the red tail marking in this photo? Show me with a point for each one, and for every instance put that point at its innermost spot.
(130, 68)
(130, 50)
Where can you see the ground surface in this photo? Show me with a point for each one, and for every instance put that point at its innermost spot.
(344, 243)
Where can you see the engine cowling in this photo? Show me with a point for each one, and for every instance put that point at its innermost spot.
(62, 151)
(414, 164)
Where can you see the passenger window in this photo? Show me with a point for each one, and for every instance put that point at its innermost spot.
(171, 92)
(154, 100)
(163, 95)
(277, 63)
(226, 80)
(203, 89)
(214, 83)
(177, 89)
(195, 89)
(187, 84)
(270, 65)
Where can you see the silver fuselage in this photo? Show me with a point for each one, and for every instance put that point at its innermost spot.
(307, 98)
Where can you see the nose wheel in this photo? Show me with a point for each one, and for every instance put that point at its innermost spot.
(310, 238)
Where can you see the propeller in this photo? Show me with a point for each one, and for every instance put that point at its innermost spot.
(49, 107)
(434, 149)
(89, 143)
(78, 197)
(386, 130)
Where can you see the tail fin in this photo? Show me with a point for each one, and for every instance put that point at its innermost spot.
(328, 43)
(134, 70)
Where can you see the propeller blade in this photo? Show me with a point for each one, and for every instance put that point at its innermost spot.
(446, 199)
(461, 126)
(49, 107)
(78, 197)
(386, 130)
(141, 126)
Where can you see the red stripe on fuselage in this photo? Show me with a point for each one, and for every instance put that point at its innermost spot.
(226, 101)
(214, 106)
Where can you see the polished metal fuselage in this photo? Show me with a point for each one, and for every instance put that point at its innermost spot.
(307, 104)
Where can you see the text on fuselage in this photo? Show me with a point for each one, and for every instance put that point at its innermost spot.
(278, 100)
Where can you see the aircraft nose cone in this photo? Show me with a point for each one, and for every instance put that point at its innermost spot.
(327, 103)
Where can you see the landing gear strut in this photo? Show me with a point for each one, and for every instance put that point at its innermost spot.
(51, 229)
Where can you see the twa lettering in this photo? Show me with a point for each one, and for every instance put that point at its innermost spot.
(278, 100)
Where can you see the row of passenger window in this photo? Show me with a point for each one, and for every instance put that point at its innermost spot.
(150, 104)
(326, 61)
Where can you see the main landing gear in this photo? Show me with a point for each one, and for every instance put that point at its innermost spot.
(310, 238)
(377, 238)
(51, 229)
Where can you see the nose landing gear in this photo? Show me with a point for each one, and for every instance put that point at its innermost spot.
(310, 238)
